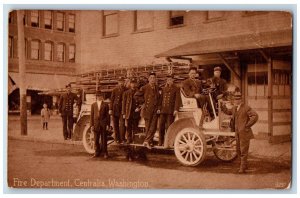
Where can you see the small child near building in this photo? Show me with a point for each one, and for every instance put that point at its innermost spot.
(45, 113)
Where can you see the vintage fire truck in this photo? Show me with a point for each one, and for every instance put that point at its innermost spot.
(186, 137)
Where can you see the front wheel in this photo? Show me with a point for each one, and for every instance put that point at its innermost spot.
(190, 147)
(88, 139)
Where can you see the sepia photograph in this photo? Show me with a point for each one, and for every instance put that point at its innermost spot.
(149, 99)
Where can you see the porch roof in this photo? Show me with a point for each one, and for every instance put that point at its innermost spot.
(256, 40)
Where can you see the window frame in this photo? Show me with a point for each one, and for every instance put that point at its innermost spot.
(51, 14)
(178, 25)
(64, 53)
(52, 49)
(221, 18)
(116, 12)
(135, 28)
(38, 50)
(38, 18)
(72, 60)
(63, 21)
(74, 29)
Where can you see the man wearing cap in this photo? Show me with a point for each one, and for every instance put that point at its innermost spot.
(170, 103)
(243, 118)
(100, 122)
(219, 83)
(115, 109)
(149, 95)
(65, 108)
(131, 110)
(192, 86)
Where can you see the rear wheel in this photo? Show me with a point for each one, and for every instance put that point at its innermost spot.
(225, 150)
(190, 147)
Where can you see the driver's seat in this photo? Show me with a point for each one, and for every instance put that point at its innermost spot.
(188, 102)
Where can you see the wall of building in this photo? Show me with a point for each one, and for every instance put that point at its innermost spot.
(66, 67)
(130, 47)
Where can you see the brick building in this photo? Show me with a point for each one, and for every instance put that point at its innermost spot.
(253, 48)
(50, 50)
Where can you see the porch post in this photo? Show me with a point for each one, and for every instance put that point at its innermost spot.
(270, 98)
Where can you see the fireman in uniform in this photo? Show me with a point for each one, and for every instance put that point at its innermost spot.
(150, 97)
(170, 103)
(219, 83)
(66, 103)
(115, 109)
(131, 110)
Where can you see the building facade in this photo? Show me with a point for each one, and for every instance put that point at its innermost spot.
(50, 50)
(253, 48)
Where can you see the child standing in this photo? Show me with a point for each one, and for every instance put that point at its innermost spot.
(45, 113)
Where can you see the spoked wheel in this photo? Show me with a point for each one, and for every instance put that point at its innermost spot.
(190, 147)
(88, 139)
(225, 150)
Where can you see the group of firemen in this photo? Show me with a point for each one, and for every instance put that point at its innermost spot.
(129, 102)
(158, 106)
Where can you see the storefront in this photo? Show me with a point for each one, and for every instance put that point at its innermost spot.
(35, 84)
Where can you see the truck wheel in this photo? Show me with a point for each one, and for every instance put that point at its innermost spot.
(190, 147)
(225, 150)
(88, 139)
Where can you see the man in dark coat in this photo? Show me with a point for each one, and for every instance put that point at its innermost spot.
(131, 110)
(66, 103)
(115, 108)
(149, 95)
(243, 117)
(193, 87)
(100, 122)
(219, 84)
(170, 103)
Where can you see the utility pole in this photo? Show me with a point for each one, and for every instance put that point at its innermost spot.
(22, 72)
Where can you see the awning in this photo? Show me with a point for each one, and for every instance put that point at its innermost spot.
(42, 82)
(255, 40)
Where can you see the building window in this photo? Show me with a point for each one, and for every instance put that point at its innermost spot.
(143, 21)
(72, 53)
(10, 47)
(35, 49)
(258, 83)
(176, 18)
(60, 20)
(281, 82)
(34, 18)
(48, 52)
(71, 22)
(48, 19)
(61, 52)
(110, 23)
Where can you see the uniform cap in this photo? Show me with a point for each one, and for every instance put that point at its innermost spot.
(218, 69)
(152, 73)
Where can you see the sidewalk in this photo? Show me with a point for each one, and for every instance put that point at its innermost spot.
(258, 148)
(35, 131)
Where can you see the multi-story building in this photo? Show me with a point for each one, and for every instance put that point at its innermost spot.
(50, 50)
(253, 48)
